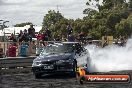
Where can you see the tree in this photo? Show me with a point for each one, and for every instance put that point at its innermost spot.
(51, 18)
(112, 18)
(110, 15)
(124, 28)
(23, 24)
(92, 8)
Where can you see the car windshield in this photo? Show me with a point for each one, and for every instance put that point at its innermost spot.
(57, 48)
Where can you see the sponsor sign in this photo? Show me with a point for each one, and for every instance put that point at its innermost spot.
(107, 78)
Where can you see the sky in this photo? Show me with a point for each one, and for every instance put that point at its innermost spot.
(18, 11)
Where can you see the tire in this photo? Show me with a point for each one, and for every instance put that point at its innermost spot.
(37, 75)
(81, 80)
(75, 66)
(73, 73)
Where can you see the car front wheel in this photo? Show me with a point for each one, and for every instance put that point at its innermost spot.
(74, 69)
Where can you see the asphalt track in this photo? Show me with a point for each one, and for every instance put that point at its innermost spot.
(27, 80)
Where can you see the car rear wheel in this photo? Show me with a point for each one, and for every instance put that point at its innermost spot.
(81, 80)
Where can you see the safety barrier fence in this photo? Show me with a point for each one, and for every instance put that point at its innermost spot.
(16, 64)
(15, 49)
(8, 49)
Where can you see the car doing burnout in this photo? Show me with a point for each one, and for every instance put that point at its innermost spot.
(59, 58)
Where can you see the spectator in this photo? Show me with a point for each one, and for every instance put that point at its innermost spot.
(71, 38)
(105, 44)
(58, 38)
(31, 32)
(48, 33)
(1, 51)
(63, 38)
(20, 36)
(122, 39)
(81, 37)
(25, 36)
(12, 38)
(40, 36)
(23, 49)
(33, 47)
(45, 37)
(116, 42)
(39, 47)
(69, 29)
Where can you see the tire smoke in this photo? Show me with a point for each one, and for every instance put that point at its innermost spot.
(110, 58)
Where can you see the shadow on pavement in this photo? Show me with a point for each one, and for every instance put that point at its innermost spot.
(58, 76)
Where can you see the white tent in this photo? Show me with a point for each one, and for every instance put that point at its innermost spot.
(16, 30)
(1, 33)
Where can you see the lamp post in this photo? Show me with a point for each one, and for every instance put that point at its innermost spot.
(4, 34)
(1, 25)
(3, 29)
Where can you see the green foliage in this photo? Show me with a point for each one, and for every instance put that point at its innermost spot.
(23, 24)
(51, 18)
(109, 19)
(95, 34)
(124, 28)
(114, 18)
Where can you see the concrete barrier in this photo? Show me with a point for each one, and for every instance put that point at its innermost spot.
(16, 64)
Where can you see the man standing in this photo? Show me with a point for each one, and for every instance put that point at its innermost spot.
(1, 51)
(69, 29)
(48, 34)
(25, 36)
(71, 38)
(31, 31)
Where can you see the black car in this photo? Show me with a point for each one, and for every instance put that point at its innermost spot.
(59, 58)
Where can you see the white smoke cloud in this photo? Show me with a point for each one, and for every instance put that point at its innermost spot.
(112, 58)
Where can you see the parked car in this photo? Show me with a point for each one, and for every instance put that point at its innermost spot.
(59, 58)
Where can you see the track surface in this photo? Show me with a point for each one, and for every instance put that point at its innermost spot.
(27, 80)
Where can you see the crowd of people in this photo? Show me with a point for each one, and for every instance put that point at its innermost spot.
(46, 35)
(27, 36)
